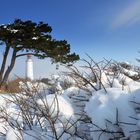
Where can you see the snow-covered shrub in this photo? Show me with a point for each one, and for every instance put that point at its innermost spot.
(62, 81)
(41, 117)
(110, 88)
(126, 65)
(93, 76)
(99, 100)
(29, 86)
(113, 115)
(60, 110)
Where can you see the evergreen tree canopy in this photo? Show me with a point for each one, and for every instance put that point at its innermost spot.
(28, 37)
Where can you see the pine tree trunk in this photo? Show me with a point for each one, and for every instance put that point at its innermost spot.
(9, 69)
(4, 62)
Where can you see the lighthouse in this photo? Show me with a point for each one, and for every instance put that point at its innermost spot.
(29, 67)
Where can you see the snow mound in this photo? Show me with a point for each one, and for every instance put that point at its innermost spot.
(113, 111)
(61, 109)
(57, 103)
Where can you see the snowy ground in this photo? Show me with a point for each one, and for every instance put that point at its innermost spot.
(110, 110)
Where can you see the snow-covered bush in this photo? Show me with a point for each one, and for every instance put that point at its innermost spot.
(110, 87)
(113, 115)
(33, 116)
(97, 101)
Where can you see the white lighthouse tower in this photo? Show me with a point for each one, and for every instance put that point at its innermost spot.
(29, 67)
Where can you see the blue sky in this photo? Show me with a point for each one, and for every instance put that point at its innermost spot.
(101, 28)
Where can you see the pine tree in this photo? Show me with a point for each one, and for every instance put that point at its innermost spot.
(24, 37)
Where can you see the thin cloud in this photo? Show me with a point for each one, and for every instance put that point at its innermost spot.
(128, 16)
